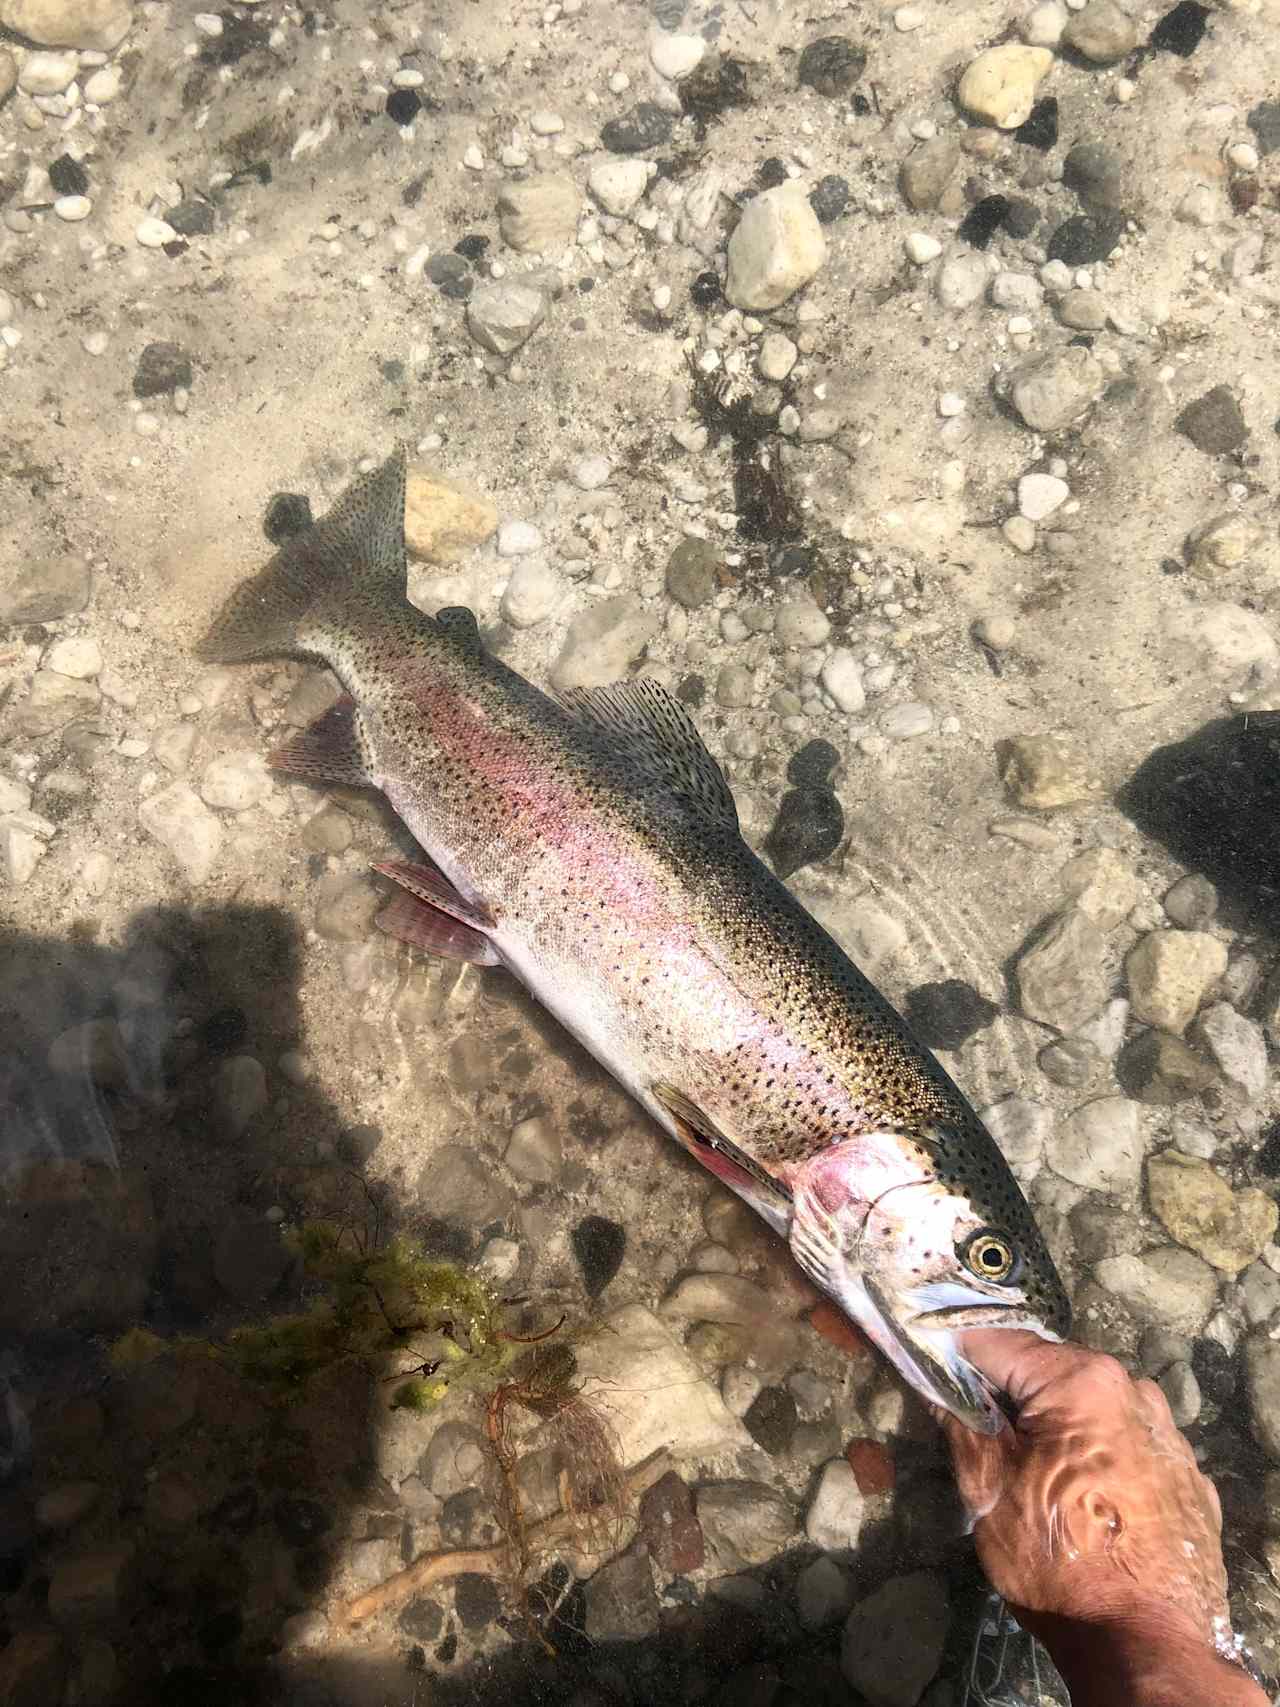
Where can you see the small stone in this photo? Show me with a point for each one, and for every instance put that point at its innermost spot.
(193, 218)
(1039, 495)
(1043, 24)
(162, 369)
(1198, 1209)
(1165, 1287)
(183, 825)
(1262, 1372)
(1041, 772)
(743, 1524)
(540, 213)
(1103, 32)
(771, 1419)
(675, 56)
(999, 86)
(1192, 902)
(452, 276)
(670, 1526)
(602, 642)
(808, 829)
(46, 73)
(619, 1602)
(619, 185)
(1096, 173)
(1264, 122)
(79, 657)
(153, 233)
(1236, 1046)
(1020, 293)
(90, 1589)
(1222, 544)
(908, 721)
(532, 593)
(831, 65)
(946, 1015)
(693, 573)
(599, 1246)
(962, 281)
(799, 622)
(1100, 1147)
(1050, 391)
(345, 907)
(1182, 1391)
(834, 1518)
(776, 248)
(922, 248)
(1213, 422)
(103, 86)
(534, 1150)
(1169, 975)
(928, 171)
(893, 1641)
(63, 1507)
(1020, 1128)
(777, 356)
(1103, 884)
(1085, 239)
(239, 1094)
(502, 315)
(1063, 978)
(841, 676)
(1083, 310)
(235, 782)
(517, 539)
(824, 1594)
(646, 126)
(1160, 1070)
(44, 591)
(829, 198)
(1259, 1293)
(735, 686)
(442, 523)
(72, 209)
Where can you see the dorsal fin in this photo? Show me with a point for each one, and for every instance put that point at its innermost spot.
(649, 724)
(459, 623)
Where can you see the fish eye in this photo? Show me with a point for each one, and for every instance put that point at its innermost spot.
(991, 1256)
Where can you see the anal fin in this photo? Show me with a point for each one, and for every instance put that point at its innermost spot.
(330, 750)
(410, 920)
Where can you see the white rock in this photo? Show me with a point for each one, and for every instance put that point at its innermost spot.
(962, 280)
(799, 622)
(544, 123)
(72, 209)
(777, 356)
(907, 721)
(1233, 638)
(777, 247)
(1039, 495)
(1099, 1146)
(1044, 24)
(590, 473)
(47, 73)
(183, 825)
(602, 642)
(740, 1387)
(1165, 1287)
(1021, 1129)
(78, 656)
(154, 233)
(235, 782)
(676, 56)
(835, 1514)
(1019, 293)
(21, 850)
(921, 248)
(842, 678)
(503, 314)
(1237, 1047)
(103, 86)
(517, 539)
(631, 1369)
(14, 796)
(1000, 85)
(618, 185)
(532, 593)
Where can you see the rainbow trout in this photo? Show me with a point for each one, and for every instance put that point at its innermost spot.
(590, 843)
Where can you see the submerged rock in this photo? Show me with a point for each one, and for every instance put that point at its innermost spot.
(744, 1523)
(808, 828)
(893, 1641)
(1229, 1229)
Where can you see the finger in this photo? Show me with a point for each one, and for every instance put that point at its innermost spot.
(981, 1464)
(1020, 1362)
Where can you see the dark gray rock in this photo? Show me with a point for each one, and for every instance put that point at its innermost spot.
(599, 1245)
(620, 1603)
(45, 590)
(1213, 422)
(645, 126)
(162, 369)
(1096, 174)
(451, 275)
(808, 828)
(476, 1600)
(192, 218)
(771, 1419)
(947, 1014)
(829, 197)
(693, 573)
(1264, 122)
(1081, 240)
(832, 65)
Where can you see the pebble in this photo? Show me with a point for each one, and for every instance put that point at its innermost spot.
(1103, 32)
(1259, 1293)
(777, 356)
(590, 473)
(893, 1641)
(908, 721)
(1264, 121)
(1236, 1046)
(180, 821)
(1072, 1062)
(619, 1601)
(834, 1518)
(799, 622)
(675, 56)
(947, 1014)
(824, 1593)
(693, 573)
(1095, 172)
(517, 539)
(1168, 1286)
(1021, 1128)
(962, 281)
(771, 1420)
(841, 676)
(503, 314)
(1169, 974)
(1161, 1070)
(544, 123)
(451, 275)
(809, 828)
(532, 593)
(1214, 422)
(73, 209)
(1102, 883)
(539, 214)
(1082, 310)
(79, 656)
(153, 233)
(1262, 1374)
(534, 1151)
(1043, 25)
(1182, 1392)
(921, 248)
(1228, 1229)
(162, 369)
(235, 782)
(47, 73)
(776, 248)
(103, 86)
(928, 172)
(1064, 977)
(999, 86)
(1050, 391)
(743, 1523)
(645, 126)
(1085, 239)
(1039, 495)
(831, 65)
(441, 523)
(602, 642)
(829, 198)
(618, 185)
(1018, 293)
(735, 686)
(1099, 1147)
(1192, 902)
(1222, 544)
(740, 1386)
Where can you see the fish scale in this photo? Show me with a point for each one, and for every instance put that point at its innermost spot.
(591, 844)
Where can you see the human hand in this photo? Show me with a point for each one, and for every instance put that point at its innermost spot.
(1091, 1516)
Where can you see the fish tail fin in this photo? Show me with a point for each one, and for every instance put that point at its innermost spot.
(355, 554)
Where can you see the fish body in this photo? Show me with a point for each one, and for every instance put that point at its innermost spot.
(590, 844)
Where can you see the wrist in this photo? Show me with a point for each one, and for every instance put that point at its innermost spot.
(1141, 1662)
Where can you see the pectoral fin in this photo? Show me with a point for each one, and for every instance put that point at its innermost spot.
(769, 1196)
(430, 914)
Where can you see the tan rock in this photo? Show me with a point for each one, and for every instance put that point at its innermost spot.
(1103, 884)
(1229, 1229)
(8, 74)
(539, 213)
(1064, 977)
(1043, 772)
(1000, 85)
(777, 246)
(442, 523)
(1223, 544)
(100, 25)
(1170, 973)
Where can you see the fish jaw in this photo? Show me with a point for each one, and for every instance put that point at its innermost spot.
(913, 1303)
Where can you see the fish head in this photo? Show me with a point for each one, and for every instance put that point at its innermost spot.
(918, 1242)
